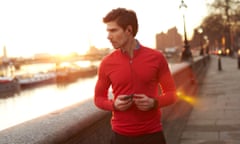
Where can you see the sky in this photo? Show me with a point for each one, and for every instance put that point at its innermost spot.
(28, 27)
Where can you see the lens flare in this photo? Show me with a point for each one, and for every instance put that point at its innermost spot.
(189, 99)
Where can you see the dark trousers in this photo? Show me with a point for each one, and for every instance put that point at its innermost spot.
(154, 138)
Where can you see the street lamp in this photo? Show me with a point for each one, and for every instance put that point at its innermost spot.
(200, 31)
(206, 41)
(186, 54)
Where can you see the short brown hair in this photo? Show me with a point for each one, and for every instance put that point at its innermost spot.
(124, 18)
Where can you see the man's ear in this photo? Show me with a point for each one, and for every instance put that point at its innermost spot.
(129, 29)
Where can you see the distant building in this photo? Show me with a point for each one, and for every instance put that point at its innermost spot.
(4, 52)
(97, 53)
(168, 40)
(4, 58)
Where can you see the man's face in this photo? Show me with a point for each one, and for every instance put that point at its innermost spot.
(116, 35)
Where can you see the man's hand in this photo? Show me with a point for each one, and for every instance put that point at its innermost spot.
(123, 102)
(143, 102)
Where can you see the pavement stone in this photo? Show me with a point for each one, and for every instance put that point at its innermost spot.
(215, 118)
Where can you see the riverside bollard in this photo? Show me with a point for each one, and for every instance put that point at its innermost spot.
(238, 57)
(219, 63)
(219, 60)
(239, 62)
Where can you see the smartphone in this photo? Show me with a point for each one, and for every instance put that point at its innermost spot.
(128, 97)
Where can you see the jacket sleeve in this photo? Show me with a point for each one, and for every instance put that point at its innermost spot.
(101, 99)
(167, 85)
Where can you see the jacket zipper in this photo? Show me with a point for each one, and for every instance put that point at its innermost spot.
(132, 76)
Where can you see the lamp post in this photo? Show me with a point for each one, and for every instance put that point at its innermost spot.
(186, 54)
(206, 41)
(200, 31)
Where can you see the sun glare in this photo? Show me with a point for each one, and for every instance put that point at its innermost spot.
(61, 27)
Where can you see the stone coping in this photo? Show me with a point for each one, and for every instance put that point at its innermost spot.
(54, 127)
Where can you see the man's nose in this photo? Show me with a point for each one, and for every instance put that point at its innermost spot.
(109, 36)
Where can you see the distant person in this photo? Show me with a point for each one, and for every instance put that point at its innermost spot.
(135, 73)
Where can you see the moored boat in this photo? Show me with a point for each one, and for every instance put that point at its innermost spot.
(87, 71)
(9, 84)
(73, 72)
(30, 80)
(66, 75)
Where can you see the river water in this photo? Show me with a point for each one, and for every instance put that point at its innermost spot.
(37, 101)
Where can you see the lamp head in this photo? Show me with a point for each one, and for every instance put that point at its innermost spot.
(182, 5)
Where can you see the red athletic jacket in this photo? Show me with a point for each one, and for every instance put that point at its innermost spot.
(140, 75)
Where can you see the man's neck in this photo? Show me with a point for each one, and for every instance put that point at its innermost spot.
(130, 46)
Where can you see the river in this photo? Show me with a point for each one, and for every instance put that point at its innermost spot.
(37, 101)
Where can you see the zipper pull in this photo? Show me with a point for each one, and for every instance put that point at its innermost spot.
(130, 61)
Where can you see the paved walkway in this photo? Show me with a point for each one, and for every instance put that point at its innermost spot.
(215, 119)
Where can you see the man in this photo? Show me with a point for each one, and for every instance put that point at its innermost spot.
(135, 74)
